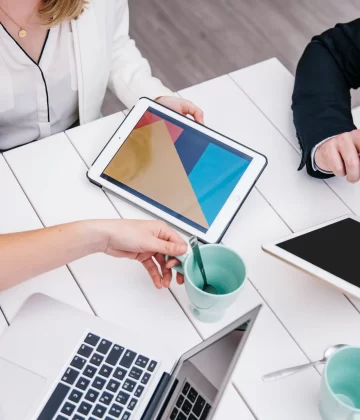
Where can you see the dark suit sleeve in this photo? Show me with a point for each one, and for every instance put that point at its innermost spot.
(329, 67)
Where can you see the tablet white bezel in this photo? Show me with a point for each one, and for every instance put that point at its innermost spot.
(231, 206)
(273, 249)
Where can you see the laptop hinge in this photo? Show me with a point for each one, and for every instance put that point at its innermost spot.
(156, 397)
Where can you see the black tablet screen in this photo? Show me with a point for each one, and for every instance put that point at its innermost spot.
(334, 248)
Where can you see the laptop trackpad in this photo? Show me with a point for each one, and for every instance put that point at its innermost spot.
(19, 388)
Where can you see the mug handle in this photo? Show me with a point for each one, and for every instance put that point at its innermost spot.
(181, 259)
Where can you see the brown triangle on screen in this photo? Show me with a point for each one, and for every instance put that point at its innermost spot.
(149, 163)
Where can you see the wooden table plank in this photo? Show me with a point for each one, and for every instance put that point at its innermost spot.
(53, 177)
(279, 355)
(3, 324)
(16, 214)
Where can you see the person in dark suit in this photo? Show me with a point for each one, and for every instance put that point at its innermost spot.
(328, 69)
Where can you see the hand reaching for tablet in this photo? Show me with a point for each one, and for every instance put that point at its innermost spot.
(182, 106)
(147, 242)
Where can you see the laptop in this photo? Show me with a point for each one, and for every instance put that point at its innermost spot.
(58, 362)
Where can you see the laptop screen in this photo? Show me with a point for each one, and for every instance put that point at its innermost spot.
(202, 376)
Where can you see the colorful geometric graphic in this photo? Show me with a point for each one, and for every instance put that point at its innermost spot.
(177, 168)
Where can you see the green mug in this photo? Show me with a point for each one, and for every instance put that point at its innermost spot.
(225, 270)
(340, 386)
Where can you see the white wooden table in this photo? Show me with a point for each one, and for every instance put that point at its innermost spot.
(44, 183)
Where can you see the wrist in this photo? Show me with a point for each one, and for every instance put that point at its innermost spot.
(95, 235)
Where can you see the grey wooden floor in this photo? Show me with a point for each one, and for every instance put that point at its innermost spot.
(189, 41)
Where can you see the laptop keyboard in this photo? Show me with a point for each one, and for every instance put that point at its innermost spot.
(190, 405)
(104, 381)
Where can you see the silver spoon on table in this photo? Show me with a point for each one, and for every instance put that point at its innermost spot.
(283, 373)
(197, 255)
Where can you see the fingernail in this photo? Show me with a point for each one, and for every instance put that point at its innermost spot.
(183, 248)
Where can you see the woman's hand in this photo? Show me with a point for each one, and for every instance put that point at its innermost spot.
(145, 241)
(182, 106)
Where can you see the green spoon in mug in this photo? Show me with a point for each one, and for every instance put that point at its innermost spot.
(197, 255)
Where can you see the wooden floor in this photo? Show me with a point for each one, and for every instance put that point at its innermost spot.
(189, 41)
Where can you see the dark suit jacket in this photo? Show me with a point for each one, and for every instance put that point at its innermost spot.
(329, 67)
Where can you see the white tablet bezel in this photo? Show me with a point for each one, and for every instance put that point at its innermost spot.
(232, 205)
(273, 249)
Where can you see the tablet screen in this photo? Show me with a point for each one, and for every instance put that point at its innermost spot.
(177, 169)
(333, 248)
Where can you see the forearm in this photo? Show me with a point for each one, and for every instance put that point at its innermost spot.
(130, 75)
(328, 69)
(321, 100)
(28, 254)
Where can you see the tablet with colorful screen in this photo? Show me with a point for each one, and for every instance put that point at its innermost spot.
(179, 170)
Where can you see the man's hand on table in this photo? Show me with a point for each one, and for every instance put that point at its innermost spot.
(182, 106)
(145, 241)
(340, 155)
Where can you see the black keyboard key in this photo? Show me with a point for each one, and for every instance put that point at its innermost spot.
(54, 402)
(59, 417)
(113, 385)
(114, 355)
(91, 395)
(105, 371)
(186, 388)
(77, 417)
(205, 413)
(97, 359)
(142, 361)
(99, 411)
(98, 383)
(92, 339)
(68, 408)
(120, 374)
(135, 373)
(129, 385)
(192, 417)
(180, 401)
(139, 391)
(115, 410)
(84, 408)
(152, 366)
(174, 413)
(199, 405)
(82, 383)
(104, 346)
(70, 376)
(90, 371)
(132, 404)
(123, 397)
(186, 407)
(106, 398)
(85, 350)
(192, 395)
(145, 378)
(78, 362)
(181, 416)
(75, 396)
(126, 416)
(128, 358)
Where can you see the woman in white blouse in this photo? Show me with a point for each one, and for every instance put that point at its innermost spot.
(57, 58)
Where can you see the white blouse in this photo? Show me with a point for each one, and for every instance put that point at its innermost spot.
(37, 99)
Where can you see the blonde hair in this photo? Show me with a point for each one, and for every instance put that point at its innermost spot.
(54, 12)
